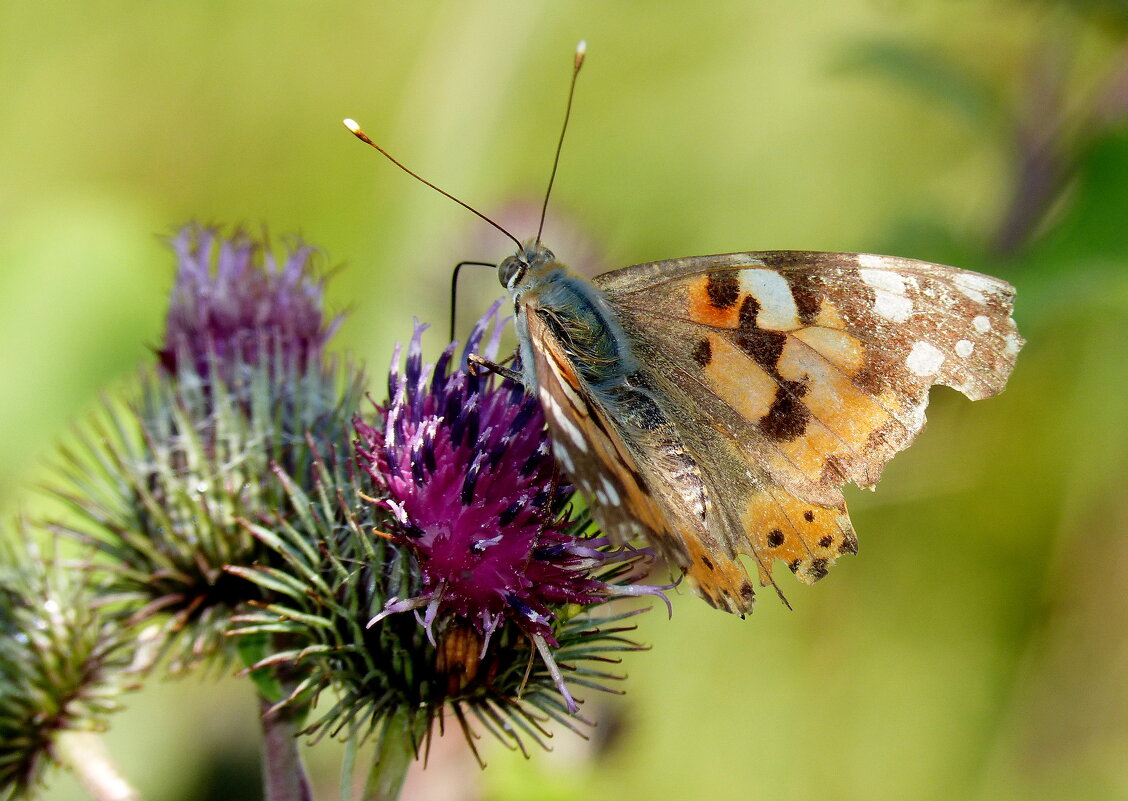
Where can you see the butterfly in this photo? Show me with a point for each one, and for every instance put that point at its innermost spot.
(716, 405)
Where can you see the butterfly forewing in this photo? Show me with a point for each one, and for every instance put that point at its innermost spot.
(822, 362)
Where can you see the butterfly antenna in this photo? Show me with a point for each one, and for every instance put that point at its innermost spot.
(581, 49)
(454, 287)
(362, 136)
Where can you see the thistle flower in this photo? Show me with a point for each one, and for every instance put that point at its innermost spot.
(242, 308)
(62, 664)
(468, 478)
(478, 541)
(242, 385)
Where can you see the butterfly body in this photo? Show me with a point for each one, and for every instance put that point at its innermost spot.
(717, 404)
(576, 313)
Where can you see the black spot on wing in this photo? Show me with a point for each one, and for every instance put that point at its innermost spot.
(723, 290)
(749, 311)
(807, 301)
(787, 418)
(703, 353)
(763, 346)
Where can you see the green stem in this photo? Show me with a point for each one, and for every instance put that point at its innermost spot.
(85, 755)
(283, 775)
(395, 752)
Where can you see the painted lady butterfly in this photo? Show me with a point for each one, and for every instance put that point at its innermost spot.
(716, 405)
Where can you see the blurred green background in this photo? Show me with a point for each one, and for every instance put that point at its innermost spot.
(975, 649)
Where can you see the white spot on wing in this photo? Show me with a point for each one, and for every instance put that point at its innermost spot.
(884, 279)
(778, 311)
(574, 432)
(872, 260)
(565, 458)
(892, 307)
(982, 324)
(552, 407)
(924, 359)
(609, 489)
(889, 295)
(964, 348)
(975, 286)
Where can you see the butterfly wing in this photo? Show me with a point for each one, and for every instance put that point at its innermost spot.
(643, 480)
(816, 368)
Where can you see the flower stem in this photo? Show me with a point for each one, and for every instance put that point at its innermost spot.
(85, 755)
(394, 755)
(283, 775)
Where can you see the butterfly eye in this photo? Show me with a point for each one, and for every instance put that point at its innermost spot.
(511, 272)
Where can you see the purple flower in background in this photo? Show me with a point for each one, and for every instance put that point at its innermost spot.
(244, 392)
(463, 465)
(235, 302)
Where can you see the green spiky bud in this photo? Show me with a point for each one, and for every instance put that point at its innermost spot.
(63, 663)
(165, 483)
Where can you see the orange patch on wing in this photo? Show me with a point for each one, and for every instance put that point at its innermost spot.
(829, 316)
(703, 310)
(807, 537)
(837, 347)
(719, 578)
(843, 416)
(739, 381)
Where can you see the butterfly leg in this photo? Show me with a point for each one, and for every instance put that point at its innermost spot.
(477, 363)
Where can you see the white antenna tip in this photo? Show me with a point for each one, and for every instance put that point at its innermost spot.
(351, 124)
(581, 51)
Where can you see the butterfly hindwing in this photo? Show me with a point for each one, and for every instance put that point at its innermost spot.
(592, 455)
(632, 476)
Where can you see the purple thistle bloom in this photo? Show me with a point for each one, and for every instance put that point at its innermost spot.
(247, 309)
(465, 469)
(243, 392)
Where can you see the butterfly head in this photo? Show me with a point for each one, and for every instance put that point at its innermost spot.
(532, 260)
